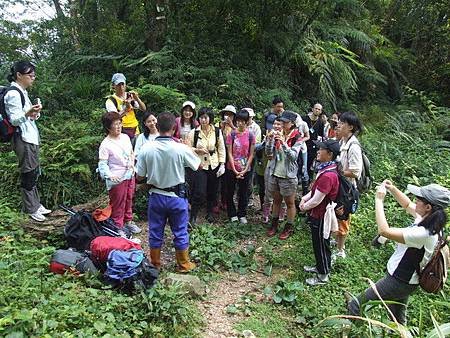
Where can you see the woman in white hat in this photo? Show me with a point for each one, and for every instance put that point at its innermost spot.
(186, 122)
(415, 244)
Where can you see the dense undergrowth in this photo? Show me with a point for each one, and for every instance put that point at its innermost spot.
(405, 143)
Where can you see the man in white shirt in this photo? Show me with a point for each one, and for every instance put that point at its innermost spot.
(162, 164)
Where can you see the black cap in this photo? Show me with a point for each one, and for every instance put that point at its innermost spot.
(288, 116)
(331, 145)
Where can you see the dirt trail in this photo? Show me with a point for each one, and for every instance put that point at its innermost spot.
(229, 290)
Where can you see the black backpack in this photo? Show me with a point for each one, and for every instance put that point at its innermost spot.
(347, 200)
(81, 229)
(365, 180)
(7, 130)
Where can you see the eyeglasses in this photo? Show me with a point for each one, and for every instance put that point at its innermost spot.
(31, 75)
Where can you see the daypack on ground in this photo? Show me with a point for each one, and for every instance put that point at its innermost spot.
(347, 199)
(101, 247)
(7, 130)
(433, 276)
(71, 261)
(130, 270)
(82, 228)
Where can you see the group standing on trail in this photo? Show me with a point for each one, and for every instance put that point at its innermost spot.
(309, 164)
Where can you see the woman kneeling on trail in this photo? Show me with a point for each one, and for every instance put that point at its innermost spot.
(283, 146)
(415, 244)
(116, 166)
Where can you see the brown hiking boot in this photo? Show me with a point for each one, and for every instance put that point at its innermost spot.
(287, 232)
(184, 264)
(155, 257)
(274, 227)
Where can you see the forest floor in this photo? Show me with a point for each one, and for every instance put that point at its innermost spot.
(228, 292)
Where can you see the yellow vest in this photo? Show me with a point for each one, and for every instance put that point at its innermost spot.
(129, 120)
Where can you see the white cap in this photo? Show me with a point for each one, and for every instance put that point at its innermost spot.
(230, 108)
(251, 112)
(188, 103)
(118, 78)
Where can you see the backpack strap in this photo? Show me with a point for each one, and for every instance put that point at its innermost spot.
(22, 99)
(114, 101)
(196, 133)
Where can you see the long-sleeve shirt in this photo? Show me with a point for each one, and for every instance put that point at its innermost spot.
(16, 113)
(208, 141)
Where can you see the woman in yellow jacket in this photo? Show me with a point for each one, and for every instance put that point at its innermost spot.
(208, 143)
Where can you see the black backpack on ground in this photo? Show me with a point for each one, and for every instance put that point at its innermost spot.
(7, 130)
(81, 229)
(347, 199)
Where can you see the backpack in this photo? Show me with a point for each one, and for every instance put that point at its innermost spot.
(365, 180)
(7, 130)
(196, 136)
(71, 261)
(129, 271)
(101, 246)
(434, 274)
(347, 199)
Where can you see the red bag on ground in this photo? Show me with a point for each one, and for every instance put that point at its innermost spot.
(101, 246)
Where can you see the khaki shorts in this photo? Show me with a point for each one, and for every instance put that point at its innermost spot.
(343, 226)
(285, 186)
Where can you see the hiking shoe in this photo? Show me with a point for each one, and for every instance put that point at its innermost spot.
(286, 233)
(234, 219)
(333, 242)
(134, 229)
(243, 220)
(338, 255)
(122, 233)
(43, 210)
(310, 269)
(319, 279)
(210, 218)
(135, 240)
(37, 216)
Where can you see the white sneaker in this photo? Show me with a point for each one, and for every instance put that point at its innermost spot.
(243, 220)
(37, 216)
(135, 240)
(319, 279)
(338, 255)
(234, 219)
(43, 210)
(311, 269)
(130, 225)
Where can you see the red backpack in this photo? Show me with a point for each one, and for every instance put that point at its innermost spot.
(101, 246)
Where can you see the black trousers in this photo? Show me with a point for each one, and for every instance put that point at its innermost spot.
(242, 192)
(321, 246)
(204, 185)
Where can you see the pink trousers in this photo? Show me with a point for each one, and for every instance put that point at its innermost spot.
(121, 200)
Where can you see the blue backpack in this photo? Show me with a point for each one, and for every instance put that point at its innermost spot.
(129, 271)
(123, 264)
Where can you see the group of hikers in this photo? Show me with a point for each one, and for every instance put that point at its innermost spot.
(198, 158)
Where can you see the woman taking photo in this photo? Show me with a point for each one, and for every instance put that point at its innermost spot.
(25, 142)
(415, 244)
(116, 167)
(208, 144)
(283, 148)
(186, 122)
(125, 103)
